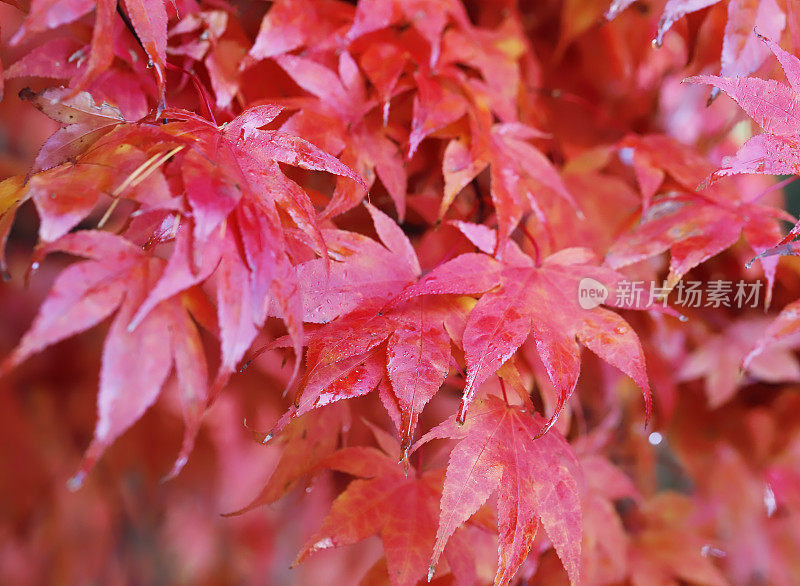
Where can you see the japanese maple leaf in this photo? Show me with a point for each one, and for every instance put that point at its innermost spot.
(51, 59)
(656, 157)
(220, 47)
(773, 106)
(375, 155)
(83, 123)
(221, 174)
(693, 226)
(374, 15)
(665, 551)
(370, 150)
(149, 20)
(95, 153)
(438, 101)
(520, 297)
(518, 170)
(147, 17)
(719, 360)
(361, 270)
(398, 505)
(231, 176)
(116, 278)
(47, 14)
(121, 166)
(537, 478)
(695, 229)
(495, 55)
(342, 91)
(408, 340)
(436, 105)
(783, 331)
(292, 24)
(741, 54)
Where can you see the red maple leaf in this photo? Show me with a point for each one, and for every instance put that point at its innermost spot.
(520, 297)
(399, 505)
(741, 53)
(772, 105)
(117, 278)
(407, 342)
(537, 478)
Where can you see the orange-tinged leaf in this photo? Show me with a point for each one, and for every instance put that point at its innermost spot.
(64, 107)
(536, 478)
(400, 508)
(12, 193)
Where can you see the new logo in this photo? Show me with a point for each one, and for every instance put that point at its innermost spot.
(591, 293)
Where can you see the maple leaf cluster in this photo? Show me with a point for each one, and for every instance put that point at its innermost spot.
(399, 237)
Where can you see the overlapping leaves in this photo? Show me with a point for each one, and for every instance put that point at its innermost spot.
(214, 195)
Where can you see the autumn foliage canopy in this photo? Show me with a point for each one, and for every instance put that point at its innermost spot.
(396, 291)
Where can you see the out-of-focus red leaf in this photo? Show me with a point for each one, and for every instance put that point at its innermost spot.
(658, 555)
(742, 52)
(117, 276)
(101, 52)
(785, 327)
(48, 14)
(307, 440)
(51, 59)
(719, 359)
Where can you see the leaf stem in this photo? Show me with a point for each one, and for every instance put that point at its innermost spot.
(201, 91)
(537, 256)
